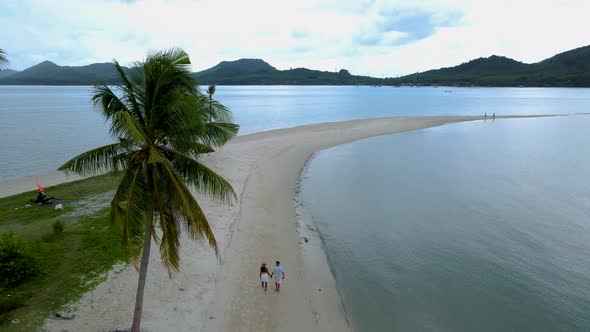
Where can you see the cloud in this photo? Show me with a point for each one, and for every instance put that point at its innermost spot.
(401, 26)
(416, 24)
(374, 37)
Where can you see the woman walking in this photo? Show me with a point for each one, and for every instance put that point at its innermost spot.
(264, 276)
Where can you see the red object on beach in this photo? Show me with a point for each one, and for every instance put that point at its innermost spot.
(41, 189)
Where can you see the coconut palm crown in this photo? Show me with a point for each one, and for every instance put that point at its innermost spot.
(163, 124)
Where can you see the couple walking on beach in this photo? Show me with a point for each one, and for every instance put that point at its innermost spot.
(278, 273)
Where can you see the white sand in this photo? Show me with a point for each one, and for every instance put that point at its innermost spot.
(12, 187)
(211, 295)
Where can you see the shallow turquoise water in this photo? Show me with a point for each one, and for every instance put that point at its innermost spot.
(43, 126)
(481, 226)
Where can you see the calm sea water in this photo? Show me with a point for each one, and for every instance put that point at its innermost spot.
(43, 126)
(481, 226)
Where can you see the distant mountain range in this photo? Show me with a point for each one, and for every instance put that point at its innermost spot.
(568, 69)
(48, 73)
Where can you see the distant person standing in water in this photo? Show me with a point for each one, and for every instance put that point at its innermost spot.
(264, 276)
(494, 116)
(279, 274)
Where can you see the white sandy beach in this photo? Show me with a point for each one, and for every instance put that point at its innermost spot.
(225, 295)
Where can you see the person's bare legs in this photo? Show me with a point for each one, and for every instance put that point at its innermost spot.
(265, 285)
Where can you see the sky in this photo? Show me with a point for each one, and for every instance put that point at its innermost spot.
(366, 37)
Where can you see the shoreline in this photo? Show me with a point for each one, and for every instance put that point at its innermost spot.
(13, 186)
(313, 250)
(210, 295)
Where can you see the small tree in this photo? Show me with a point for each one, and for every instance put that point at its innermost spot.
(16, 264)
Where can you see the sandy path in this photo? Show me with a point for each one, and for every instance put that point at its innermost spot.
(211, 295)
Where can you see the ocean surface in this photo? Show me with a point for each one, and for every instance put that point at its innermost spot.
(41, 127)
(479, 226)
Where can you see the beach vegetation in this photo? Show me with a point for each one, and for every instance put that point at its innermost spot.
(68, 264)
(16, 263)
(162, 124)
(58, 226)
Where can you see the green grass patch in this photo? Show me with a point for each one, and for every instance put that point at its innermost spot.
(72, 261)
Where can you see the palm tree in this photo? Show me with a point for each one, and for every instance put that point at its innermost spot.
(210, 93)
(3, 59)
(162, 123)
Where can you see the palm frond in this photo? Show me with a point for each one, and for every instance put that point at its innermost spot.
(179, 199)
(129, 208)
(170, 226)
(110, 103)
(129, 89)
(215, 111)
(203, 178)
(219, 133)
(123, 124)
(3, 59)
(191, 148)
(97, 161)
(166, 73)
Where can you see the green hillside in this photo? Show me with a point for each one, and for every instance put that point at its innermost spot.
(7, 72)
(48, 73)
(567, 69)
(258, 72)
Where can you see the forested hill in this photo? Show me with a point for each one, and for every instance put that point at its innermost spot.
(48, 73)
(567, 69)
(239, 72)
(258, 72)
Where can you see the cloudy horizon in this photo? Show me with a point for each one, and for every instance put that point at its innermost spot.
(368, 37)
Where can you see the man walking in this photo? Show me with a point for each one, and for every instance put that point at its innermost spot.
(279, 275)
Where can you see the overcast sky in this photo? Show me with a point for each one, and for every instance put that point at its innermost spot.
(379, 38)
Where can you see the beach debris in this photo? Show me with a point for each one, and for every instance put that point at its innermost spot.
(42, 199)
(305, 239)
(211, 317)
(181, 289)
(57, 315)
(59, 207)
(319, 289)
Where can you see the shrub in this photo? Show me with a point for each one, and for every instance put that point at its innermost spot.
(16, 264)
(58, 226)
(9, 303)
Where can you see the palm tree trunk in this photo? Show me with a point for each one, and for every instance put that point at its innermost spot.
(210, 107)
(145, 259)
